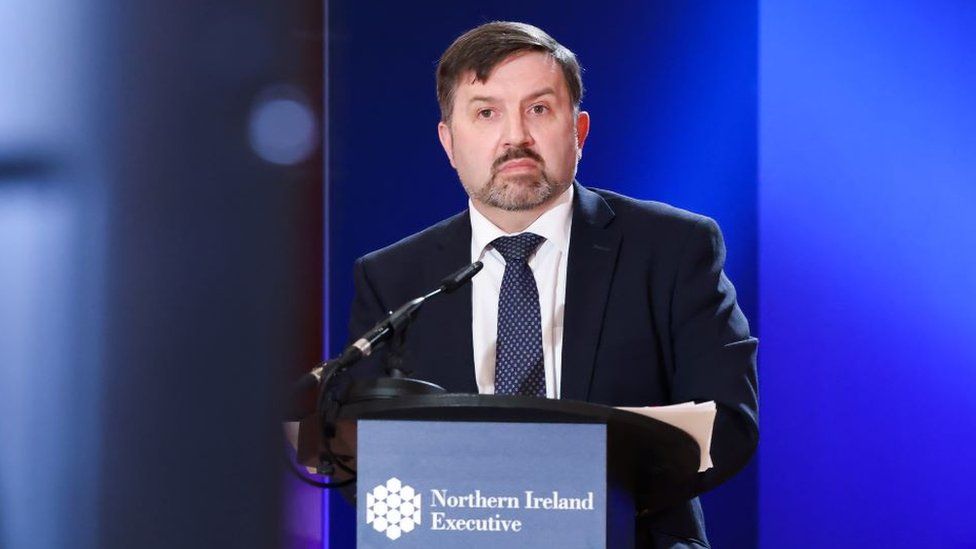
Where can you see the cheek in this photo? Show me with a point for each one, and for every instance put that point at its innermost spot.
(561, 153)
(474, 156)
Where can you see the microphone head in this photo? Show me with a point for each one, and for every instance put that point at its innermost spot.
(460, 278)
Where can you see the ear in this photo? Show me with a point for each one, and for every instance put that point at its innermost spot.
(447, 141)
(582, 128)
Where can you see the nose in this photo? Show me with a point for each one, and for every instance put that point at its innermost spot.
(517, 132)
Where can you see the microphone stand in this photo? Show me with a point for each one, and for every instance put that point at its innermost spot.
(328, 375)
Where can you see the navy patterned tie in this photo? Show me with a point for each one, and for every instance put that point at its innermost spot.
(519, 368)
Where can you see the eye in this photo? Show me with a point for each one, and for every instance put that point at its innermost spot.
(539, 109)
(485, 114)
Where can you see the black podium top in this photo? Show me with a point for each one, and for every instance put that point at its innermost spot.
(655, 461)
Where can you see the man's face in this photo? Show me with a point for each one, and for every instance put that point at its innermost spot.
(514, 139)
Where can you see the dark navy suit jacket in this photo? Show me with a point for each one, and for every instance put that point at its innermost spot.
(650, 319)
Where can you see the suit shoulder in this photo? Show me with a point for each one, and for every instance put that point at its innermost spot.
(412, 248)
(630, 210)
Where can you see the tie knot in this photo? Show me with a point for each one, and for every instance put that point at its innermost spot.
(518, 247)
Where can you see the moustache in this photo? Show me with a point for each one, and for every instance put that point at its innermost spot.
(514, 154)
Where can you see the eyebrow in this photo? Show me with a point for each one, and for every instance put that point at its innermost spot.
(531, 96)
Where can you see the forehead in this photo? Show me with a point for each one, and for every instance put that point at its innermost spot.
(519, 74)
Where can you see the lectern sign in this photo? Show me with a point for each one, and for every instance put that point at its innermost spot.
(472, 485)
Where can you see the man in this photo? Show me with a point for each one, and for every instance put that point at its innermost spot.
(585, 294)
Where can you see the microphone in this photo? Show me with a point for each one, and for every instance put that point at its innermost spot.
(460, 278)
(399, 319)
(383, 330)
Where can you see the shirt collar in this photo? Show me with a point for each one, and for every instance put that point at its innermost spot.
(553, 225)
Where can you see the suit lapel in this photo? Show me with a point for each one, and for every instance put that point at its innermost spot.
(593, 247)
(454, 251)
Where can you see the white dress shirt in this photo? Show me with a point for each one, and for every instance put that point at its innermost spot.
(548, 265)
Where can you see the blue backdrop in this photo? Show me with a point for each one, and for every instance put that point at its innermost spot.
(836, 149)
(149, 256)
(868, 254)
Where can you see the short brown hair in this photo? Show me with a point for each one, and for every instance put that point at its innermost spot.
(482, 48)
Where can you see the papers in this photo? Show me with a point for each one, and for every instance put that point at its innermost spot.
(291, 433)
(695, 419)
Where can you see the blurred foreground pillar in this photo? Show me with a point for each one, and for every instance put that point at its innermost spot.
(161, 267)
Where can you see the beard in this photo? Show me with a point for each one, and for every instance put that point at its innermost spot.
(520, 192)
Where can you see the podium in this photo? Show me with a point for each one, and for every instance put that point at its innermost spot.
(464, 470)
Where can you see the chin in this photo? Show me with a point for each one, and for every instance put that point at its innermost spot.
(520, 194)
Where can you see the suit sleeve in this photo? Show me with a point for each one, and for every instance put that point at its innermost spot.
(714, 354)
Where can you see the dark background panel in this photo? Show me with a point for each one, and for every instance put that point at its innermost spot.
(213, 269)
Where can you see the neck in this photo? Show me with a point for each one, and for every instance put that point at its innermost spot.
(512, 222)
